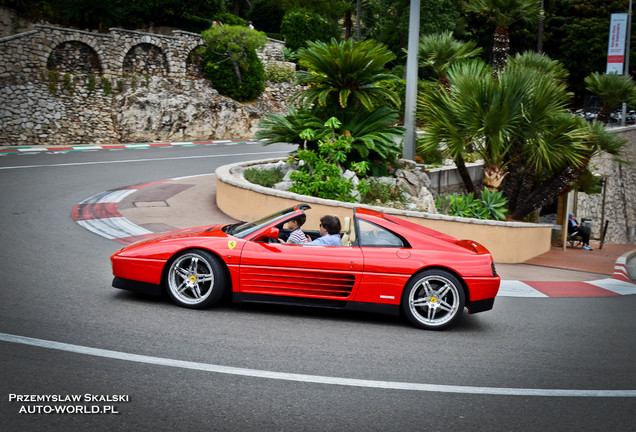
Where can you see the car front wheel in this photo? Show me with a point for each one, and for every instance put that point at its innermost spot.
(433, 300)
(195, 280)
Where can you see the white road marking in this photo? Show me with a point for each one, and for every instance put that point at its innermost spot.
(513, 288)
(109, 196)
(316, 379)
(113, 228)
(615, 285)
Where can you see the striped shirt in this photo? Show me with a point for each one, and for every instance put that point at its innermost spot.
(297, 236)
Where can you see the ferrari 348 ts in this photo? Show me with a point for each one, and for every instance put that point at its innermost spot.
(385, 264)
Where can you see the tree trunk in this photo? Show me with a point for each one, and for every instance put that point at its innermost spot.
(465, 175)
(237, 70)
(500, 49)
(518, 186)
(348, 23)
(604, 115)
(547, 191)
(493, 177)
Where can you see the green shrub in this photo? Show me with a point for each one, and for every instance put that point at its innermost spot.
(267, 178)
(229, 19)
(231, 63)
(68, 83)
(494, 203)
(53, 78)
(277, 72)
(106, 87)
(321, 173)
(90, 85)
(222, 74)
(289, 55)
(490, 206)
(430, 156)
(382, 192)
(302, 25)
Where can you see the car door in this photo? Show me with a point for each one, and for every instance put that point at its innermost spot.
(326, 272)
(387, 267)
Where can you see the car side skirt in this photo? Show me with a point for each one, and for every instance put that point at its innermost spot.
(386, 309)
(136, 286)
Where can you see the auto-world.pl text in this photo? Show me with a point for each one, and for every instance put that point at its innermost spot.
(68, 404)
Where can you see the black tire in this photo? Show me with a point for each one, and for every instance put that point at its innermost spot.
(433, 300)
(195, 279)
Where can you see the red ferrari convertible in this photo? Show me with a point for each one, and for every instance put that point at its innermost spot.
(385, 264)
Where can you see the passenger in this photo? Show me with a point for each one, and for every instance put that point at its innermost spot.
(297, 236)
(329, 232)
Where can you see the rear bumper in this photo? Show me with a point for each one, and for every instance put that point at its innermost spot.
(481, 305)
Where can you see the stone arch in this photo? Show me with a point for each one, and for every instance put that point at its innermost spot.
(145, 59)
(195, 63)
(74, 57)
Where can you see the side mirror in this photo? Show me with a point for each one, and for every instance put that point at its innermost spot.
(271, 232)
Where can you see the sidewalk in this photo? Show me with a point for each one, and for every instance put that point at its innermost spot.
(141, 210)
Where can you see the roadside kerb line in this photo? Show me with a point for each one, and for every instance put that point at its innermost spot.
(82, 147)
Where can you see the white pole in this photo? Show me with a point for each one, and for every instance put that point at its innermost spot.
(408, 151)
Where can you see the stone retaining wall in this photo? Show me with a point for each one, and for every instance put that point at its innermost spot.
(136, 109)
(62, 86)
(617, 202)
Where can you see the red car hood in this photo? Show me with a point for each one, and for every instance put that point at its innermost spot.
(203, 231)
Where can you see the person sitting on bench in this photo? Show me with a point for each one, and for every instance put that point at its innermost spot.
(576, 229)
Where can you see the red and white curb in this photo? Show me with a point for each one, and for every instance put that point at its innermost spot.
(100, 215)
(620, 268)
(607, 287)
(84, 147)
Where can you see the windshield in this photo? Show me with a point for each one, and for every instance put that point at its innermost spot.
(243, 229)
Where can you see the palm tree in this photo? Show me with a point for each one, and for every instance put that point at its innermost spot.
(439, 51)
(541, 64)
(342, 80)
(277, 128)
(504, 13)
(373, 134)
(344, 73)
(540, 184)
(612, 89)
(532, 148)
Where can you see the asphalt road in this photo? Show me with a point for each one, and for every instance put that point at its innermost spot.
(530, 364)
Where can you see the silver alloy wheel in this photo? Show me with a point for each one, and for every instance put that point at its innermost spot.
(435, 300)
(191, 279)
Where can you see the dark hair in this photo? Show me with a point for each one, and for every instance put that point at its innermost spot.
(331, 224)
(301, 219)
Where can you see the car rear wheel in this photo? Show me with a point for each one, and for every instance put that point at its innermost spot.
(433, 300)
(195, 280)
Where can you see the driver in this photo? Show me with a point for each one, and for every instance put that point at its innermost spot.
(329, 232)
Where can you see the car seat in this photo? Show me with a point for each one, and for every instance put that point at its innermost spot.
(349, 236)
